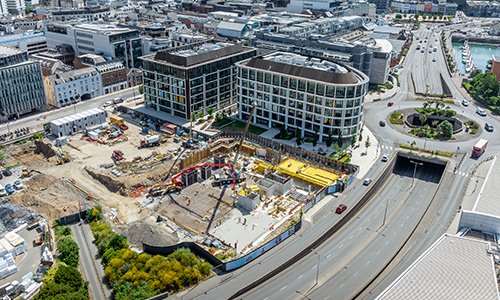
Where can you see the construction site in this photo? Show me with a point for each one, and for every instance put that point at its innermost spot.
(229, 193)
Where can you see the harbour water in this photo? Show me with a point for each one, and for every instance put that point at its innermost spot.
(480, 55)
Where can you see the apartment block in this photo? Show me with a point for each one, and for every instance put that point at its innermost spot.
(192, 79)
(301, 93)
(21, 84)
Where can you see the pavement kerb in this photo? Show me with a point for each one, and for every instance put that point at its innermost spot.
(484, 184)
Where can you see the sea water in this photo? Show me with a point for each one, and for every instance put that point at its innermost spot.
(480, 55)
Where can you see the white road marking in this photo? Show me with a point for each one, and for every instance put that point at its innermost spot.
(378, 252)
(401, 225)
(300, 276)
(283, 288)
(407, 217)
(355, 274)
(368, 262)
(386, 242)
(341, 245)
(342, 285)
(350, 237)
(314, 267)
(467, 175)
(328, 256)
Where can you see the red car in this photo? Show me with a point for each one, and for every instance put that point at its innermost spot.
(390, 103)
(341, 208)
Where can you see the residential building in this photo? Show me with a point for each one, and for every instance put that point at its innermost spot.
(382, 5)
(73, 86)
(75, 123)
(107, 40)
(495, 65)
(50, 66)
(31, 42)
(494, 29)
(415, 6)
(483, 9)
(134, 77)
(304, 94)
(113, 73)
(64, 53)
(90, 14)
(4, 11)
(21, 85)
(190, 80)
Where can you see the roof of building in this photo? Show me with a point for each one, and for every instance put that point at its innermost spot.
(194, 54)
(452, 268)
(77, 116)
(8, 51)
(73, 74)
(231, 26)
(385, 45)
(305, 67)
(388, 29)
(487, 200)
(29, 35)
(496, 58)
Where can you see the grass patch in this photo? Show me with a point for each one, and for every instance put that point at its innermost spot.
(221, 123)
(436, 152)
(472, 126)
(397, 118)
(435, 99)
(240, 126)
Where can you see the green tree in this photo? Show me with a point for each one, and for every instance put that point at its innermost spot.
(68, 275)
(398, 16)
(298, 137)
(445, 129)
(315, 139)
(367, 143)
(61, 230)
(118, 242)
(340, 141)
(126, 291)
(353, 140)
(141, 89)
(329, 139)
(94, 213)
(68, 251)
(422, 118)
(28, 10)
(210, 112)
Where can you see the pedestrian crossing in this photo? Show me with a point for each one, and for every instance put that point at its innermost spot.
(387, 147)
(463, 174)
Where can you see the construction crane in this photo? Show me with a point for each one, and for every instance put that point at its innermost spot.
(247, 126)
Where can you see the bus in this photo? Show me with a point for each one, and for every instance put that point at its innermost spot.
(479, 148)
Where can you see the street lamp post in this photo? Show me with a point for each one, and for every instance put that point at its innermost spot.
(415, 170)
(317, 266)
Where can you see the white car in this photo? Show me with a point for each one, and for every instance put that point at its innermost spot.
(385, 157)
(3, 192)
(481, 112)
(367, 181)
(465, 102)
(18, 185)
(107, 103)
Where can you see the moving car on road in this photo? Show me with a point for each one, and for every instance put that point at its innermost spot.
(341, 208)
(367, 181)
(480, 112)
(488, 127)
(381, 123)
(390, 104)
(107, 103)
(385, 157)
(465, 102)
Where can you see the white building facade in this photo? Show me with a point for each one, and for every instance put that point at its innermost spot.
(72, 87)
(302, 93)
(72, 124)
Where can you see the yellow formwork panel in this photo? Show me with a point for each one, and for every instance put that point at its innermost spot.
(310, 174)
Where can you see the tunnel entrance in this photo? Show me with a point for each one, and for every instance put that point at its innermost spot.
(422, 168)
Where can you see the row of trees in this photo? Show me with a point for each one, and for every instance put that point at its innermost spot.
(64, 281)
(485, 88)
(135, 276)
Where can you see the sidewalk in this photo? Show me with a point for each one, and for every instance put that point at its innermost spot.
(376, 96)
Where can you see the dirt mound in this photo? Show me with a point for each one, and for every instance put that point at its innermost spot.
(106, 180)
(149, 232)
(50, 196)
(26, 154)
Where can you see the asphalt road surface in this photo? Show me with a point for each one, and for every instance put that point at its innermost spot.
(90, 265)
(36, 121)
(355, 255)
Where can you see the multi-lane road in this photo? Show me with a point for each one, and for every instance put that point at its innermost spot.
(36, 121)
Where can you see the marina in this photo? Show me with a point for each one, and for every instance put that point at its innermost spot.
(470, 56)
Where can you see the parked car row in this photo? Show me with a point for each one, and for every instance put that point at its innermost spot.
(14, 134)
(10, 188)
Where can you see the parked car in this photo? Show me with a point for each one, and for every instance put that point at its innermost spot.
(381, 123)
(9, 188)
(107, 103)
(18, 185)
(434, 59)
(7, 172)
(117, 100)
(367, 181)
(488, 127)
(465, 102)
(481, 112)
(341, 208)
(385, 157)
(390, 104)
(3, 192)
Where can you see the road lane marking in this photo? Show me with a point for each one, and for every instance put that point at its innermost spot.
(283, 288)
(355, 274)
(400, 226)
(314, 267)
(341, 245)
(378, 252)
(342, 285)
(350, 237)
(300, 276)
(368, 262)
(328, 256)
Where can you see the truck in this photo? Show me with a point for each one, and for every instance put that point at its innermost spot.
(150, 141)
(117, 155)
(479, 148)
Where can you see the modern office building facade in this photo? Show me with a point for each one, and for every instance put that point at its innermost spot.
(302, 93)
(21, 83)
(31, 42)
(191, 80)
(107, 40)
